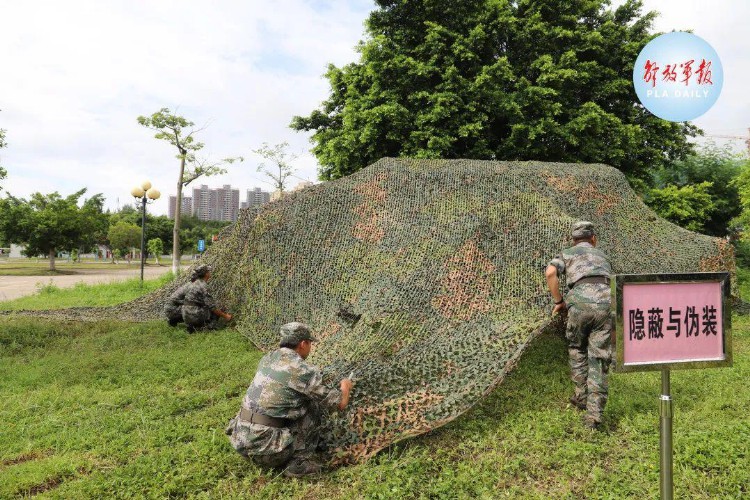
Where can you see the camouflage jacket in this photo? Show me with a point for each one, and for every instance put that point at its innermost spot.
(283, 387)
(174, 302)
(197, 299)
(583, 261)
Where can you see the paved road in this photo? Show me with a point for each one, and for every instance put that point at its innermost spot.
(12, 287)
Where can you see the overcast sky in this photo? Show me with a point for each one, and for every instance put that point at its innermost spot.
(75, 75)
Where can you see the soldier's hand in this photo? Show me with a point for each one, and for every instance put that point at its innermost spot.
(229, 317)
(560, 308)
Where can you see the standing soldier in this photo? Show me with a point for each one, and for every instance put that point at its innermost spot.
(589, 330)
(277, 425)
(199, 310)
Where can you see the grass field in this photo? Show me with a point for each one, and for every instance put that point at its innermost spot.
(40, 267)
(129, 410)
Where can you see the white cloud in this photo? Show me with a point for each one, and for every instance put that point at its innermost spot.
(75, 75)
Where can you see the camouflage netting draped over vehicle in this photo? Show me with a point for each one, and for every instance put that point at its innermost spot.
(425, 277)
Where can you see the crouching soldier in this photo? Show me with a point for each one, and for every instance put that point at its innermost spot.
(199, 310)
(173, 306)
(277, 426)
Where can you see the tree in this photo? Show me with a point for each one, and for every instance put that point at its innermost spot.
(171, 127)
(3, 172)
(687, 206)
(156, 248)
(489, 79)
(49, 223)
(281, 160)
(124, 236)
(718, 166)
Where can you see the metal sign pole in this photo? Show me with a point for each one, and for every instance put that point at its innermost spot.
(666, 485)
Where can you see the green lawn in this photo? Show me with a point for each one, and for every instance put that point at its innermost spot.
(128, 410)
(83, 295)
(40, 267)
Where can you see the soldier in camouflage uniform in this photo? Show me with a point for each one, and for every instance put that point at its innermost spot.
(589, 329)
(173, 307)
(277, 423)
(199, 310)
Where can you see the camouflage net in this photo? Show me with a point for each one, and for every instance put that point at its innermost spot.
(425, 278)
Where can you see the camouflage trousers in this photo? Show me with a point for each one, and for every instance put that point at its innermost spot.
(198, 319)
(589, 335)
(173, 314)
(305, 435)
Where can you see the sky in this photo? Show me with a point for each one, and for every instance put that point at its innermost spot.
(75, 75)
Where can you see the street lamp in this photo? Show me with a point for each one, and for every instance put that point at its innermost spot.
(142, 195)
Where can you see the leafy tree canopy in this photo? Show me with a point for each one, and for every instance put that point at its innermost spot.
(494, 79)
(46, 224)
(719, 167)
(123, 236)
(687, 206)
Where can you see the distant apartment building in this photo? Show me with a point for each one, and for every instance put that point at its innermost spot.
(186, 206)
(224, 203)
(256, 198)
(202, 202)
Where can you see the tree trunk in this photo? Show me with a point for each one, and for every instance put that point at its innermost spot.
(52, 260)
(177, 215)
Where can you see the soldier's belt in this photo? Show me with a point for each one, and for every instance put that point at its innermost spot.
(259, 418)
(603, 280)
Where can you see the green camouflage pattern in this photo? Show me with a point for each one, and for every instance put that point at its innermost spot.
(583, 261)
(198, 304)
(423, 277)
(284, 386)
(285, 383)
(173, 305)
(589, 326)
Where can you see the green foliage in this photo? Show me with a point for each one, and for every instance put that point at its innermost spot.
(741, 223)
(718, 166)
(482, 79)
(157, 226)
(50, 223)
(194, 229)
(124, 236)
(687, 206)
(155, 247)
(280, 159)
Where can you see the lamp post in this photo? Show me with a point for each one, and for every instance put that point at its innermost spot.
(144, 194)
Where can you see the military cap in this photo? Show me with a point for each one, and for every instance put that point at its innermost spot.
(295, 332)
(583, 229)
(200, 271)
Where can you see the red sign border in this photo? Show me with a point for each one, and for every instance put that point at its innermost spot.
(619, 334)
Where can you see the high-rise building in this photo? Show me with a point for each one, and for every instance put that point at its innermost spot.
(186, 203)
(201, 202)
(224, 203)
(216, 204)
(256, 198)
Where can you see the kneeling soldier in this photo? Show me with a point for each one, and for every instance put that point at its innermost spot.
(199, 309)
(277, 425)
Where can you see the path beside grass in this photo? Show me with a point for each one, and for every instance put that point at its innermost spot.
(13, 287)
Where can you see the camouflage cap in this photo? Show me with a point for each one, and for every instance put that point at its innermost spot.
(583, 229)
(295, 332)
(200, 271)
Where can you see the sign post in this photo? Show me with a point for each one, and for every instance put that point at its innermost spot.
(201, 246)
(671, 321)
